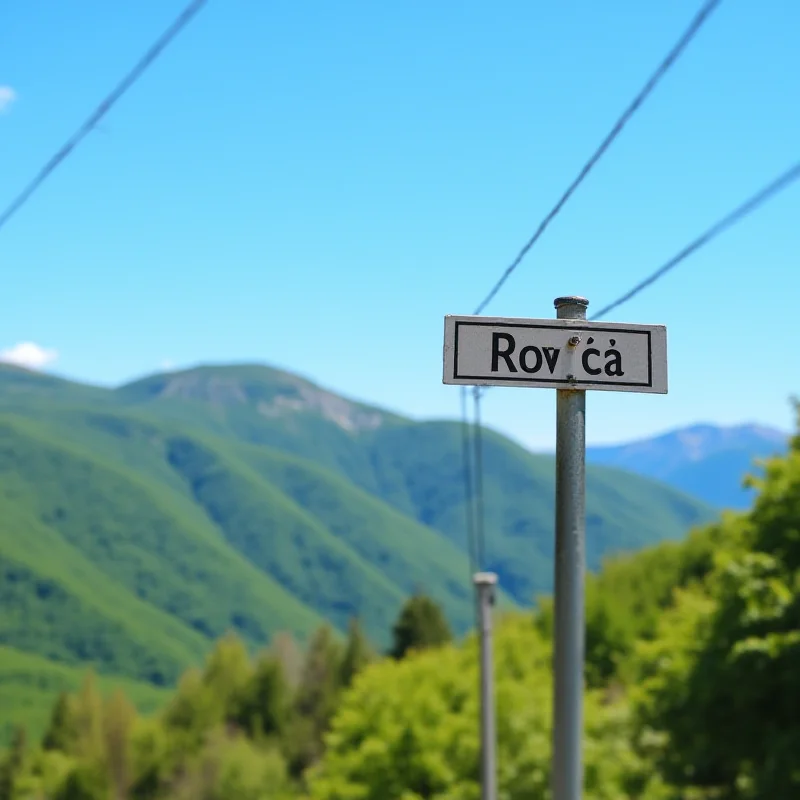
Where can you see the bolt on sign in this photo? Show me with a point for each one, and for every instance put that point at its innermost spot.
(555, 354)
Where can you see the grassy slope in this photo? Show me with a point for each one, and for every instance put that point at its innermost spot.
(134, 532)
(412, 555)
(28, 684)
(344, 552)
(278, 536)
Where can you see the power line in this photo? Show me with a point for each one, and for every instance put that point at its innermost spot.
(779, 184)
(662, 69)
(469, 507)
(149, 57)
(634, 106)
(479, 514)
(737, 214)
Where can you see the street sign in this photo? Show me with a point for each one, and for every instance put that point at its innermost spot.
(571, 355)
(555, 354)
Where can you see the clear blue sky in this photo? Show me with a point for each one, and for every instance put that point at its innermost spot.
(315, 185)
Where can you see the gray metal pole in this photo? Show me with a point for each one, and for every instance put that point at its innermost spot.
(567, 780)
(485, 583)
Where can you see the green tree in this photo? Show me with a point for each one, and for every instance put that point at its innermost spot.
(721, 682)
(408, 729)
(227, 673)
(85, 782)
(420, 625)
(265, 703)
(231, 767)
(12, 764)
(118, 721)
(290, 656)
(62, 730)
(316, 699)
(357, 653)
(207, 698)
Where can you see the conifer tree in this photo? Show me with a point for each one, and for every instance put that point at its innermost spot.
(118, 722)
(287, 651)
(357, 653)
(420, 625)
(61, 733)
(12, 764)
(315, 700)
(265, 703)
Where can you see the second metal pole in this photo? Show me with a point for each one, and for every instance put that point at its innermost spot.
(485, 585)
(570, 558)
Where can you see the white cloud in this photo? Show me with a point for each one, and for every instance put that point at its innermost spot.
(7, 97)
(167, 365)
(28, 354)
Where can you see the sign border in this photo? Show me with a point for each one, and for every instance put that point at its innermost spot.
(454, 322)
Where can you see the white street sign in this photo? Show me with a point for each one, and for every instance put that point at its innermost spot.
(544, 353)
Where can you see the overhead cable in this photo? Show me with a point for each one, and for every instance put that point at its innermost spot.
(469, 499)
(479, 506)
(780, 183)
(147, 59)
(634, 106)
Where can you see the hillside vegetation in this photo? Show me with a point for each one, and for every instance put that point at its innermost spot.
(693, 675)
(139, 525)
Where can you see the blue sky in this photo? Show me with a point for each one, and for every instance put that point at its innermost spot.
(315, 185)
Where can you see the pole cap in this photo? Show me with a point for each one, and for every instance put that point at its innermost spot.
(484, 579)
(571, 300)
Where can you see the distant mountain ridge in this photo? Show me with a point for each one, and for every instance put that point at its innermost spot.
(707, 461)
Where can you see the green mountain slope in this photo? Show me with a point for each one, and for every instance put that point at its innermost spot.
(390, 541)
(99, 567)
(329, 561)
(418, 468)
(28, 684)
(138, 524)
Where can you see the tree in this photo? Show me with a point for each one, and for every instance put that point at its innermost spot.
(12, 764)
(84, 782)
(119, 718)
(62, 731)
(265, 703)
(357, 653)
(721, 683)
(407, 729)
(209, 698)
(420, 625)
(316, 700)
(89, 713)
(285, 648)
(227, 673)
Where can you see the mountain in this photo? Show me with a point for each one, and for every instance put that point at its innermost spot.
(139, 524)
(707, 461)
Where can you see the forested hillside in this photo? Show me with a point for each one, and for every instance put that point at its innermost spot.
(693, 675)
(139, 525)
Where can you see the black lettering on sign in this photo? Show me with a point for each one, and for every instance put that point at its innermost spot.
(497, 353)
(551, 357)
(614, 364)
(523, 359)
(587, 353)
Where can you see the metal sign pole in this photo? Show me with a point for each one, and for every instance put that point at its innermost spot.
(570, 557)
(552, 354)
(485, 585)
